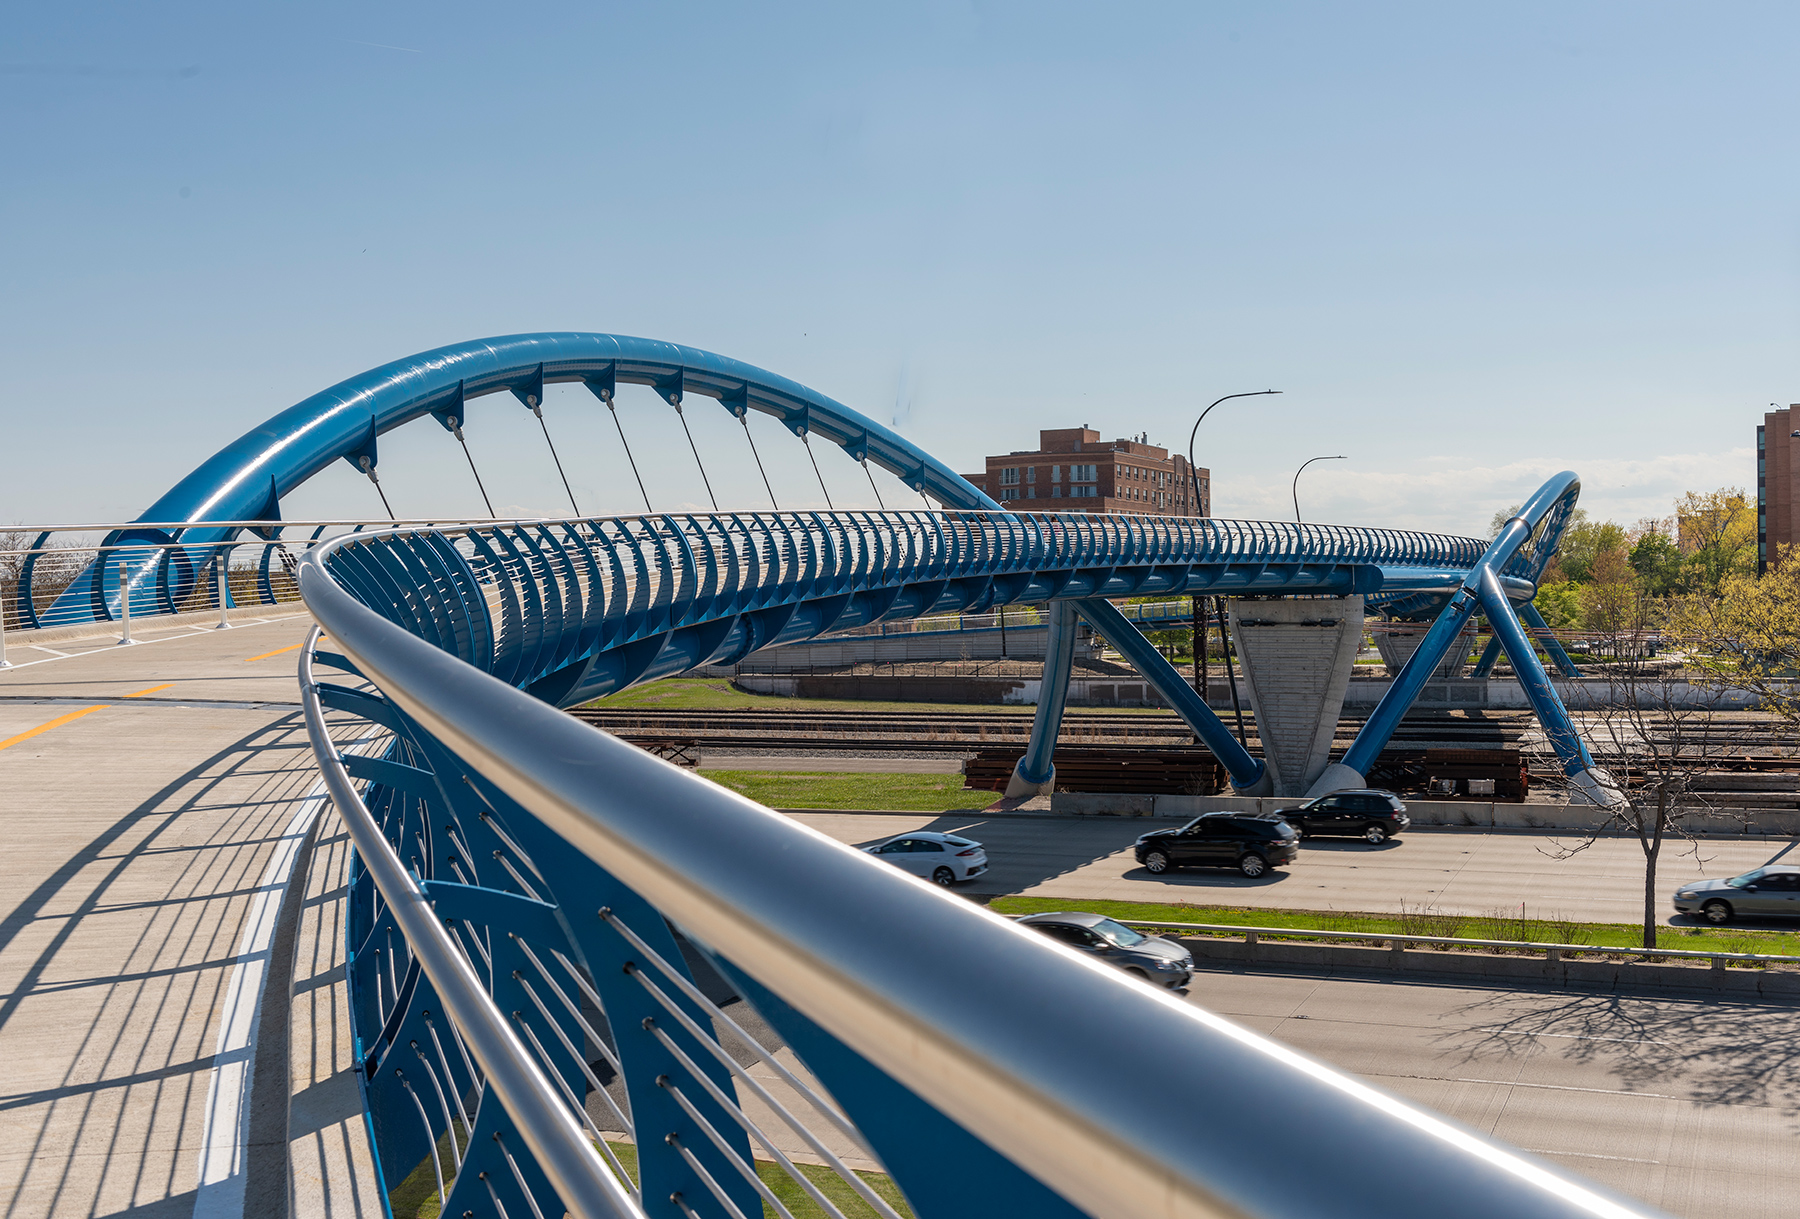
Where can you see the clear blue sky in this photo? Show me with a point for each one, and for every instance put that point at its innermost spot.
(1473, 244)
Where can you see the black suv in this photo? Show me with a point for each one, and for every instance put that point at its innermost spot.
(1251, 843)
(1372, 814)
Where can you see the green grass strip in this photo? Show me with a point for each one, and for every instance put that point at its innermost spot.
(717, 694)
(899, 793)
(417, 1196)
(1500, 925)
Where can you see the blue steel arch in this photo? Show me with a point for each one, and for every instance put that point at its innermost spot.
(715, 599)
(247, 479)
(704, 611)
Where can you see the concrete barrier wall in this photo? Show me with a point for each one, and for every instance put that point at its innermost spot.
(1422, 964)
(1362, 695)
(1023, 642)
(1019, 691)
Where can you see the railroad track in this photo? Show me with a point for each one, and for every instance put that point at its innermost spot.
(940, 731)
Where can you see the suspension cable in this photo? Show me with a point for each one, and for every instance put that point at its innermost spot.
(456, 430)
(745, 420)
(607, 397)
(537, 408)
(872, 486)
(368, 467)
(807, 441)
(675, 401)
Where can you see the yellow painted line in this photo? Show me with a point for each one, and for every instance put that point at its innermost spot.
(55, 723)
(152, 690)
(292, 647)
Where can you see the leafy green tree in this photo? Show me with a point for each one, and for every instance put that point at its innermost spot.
(1583, 545)
(1747, 635)
(1717, 538)
(1560, 604)
(1657, 561)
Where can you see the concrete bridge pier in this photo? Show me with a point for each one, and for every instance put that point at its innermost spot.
(1297, 656)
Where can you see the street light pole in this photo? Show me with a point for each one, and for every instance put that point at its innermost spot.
(1301, 470)
(1199, 617)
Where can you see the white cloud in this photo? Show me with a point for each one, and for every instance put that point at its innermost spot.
(1449, 495)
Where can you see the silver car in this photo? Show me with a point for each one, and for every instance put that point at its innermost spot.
(942, 859)
(1771, 892)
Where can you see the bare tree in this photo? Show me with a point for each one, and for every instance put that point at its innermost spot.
(54, 571)
(1652, 731)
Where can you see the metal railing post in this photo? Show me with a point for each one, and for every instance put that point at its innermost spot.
(4, 662)
(125, 601)
(224, 565)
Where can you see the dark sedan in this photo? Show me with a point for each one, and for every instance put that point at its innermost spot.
(1370, 814)
(1149, 957)
(1250, 842)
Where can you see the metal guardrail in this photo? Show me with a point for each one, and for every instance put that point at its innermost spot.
(65, 577)
(544, 843)
(1555, 950)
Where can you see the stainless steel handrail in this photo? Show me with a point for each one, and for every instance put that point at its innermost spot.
(1126, 1102)
(1307, 933)
(384, 522)
(559, 1144)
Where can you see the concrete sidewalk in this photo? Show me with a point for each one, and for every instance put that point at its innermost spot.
(144, 835)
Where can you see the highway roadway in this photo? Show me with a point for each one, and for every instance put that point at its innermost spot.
(1469, 872)
(1689, 1105)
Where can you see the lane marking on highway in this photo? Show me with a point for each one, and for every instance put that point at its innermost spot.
(167, 685)
(292, 647)
(58, 722)
(1572, 1036)
(1588, 1155)
(1507, 1083)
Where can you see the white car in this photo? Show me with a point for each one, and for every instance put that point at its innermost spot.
(941, 858)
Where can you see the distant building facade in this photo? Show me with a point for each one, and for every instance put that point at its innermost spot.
(1777, 488)
(1073, 470)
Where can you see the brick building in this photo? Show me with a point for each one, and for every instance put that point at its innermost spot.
(1777, 485)
(1074, 464)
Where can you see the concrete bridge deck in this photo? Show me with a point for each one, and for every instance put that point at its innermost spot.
(155, 799)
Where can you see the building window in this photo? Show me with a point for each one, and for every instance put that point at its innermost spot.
(1009, 493)
(1055, 474)
(1009, 476)
(1084, 474)
(1030, 474)
(1055, 492)
(1030, 492)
